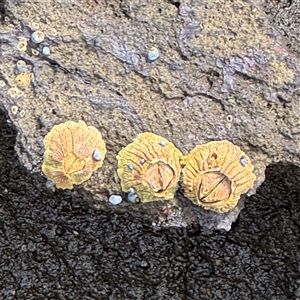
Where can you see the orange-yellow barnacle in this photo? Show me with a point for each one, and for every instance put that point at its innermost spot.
(151, 166)
(216, 174)
(73, 151)
(23, 79)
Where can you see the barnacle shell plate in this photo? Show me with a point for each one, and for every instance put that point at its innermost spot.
(151, 166)
(68, 158)
(216, 174)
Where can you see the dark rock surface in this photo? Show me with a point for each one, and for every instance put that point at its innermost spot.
(284, 14)
(57, 246)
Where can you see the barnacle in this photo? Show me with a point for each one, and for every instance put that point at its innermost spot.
(216, 174)
(35, 52)
(14, 92)
(23, 79)
(14, 109)
(151, 166)
(69, 154)
(22, 44)
(22, 113)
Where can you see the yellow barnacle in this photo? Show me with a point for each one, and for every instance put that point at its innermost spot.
(23, 79)
(216, 174)
(151, 166)
(73, 152)
(14, 92)
(22, 44)
(35, 52)
(14, 109)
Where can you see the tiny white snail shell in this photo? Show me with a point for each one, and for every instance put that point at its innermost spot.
(132, 195)
(115, 199)
(21, 66)
(162, 143)
(46, 50)
(130, 167)
(50, 185)
(153, 54)
(37, 37)
(97, 155)
(244, 161)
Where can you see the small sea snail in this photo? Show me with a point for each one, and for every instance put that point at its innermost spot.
(21, 66)
(97, 155)
(22, 44)
(216, 174)
(132, 195)
(153, 54)
(46, 51)
(150, 165)
(37, 37)
(115, 199)
(73, 152)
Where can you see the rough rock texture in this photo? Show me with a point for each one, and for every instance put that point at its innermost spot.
(223, 73)
(55, 246)
(284, 14)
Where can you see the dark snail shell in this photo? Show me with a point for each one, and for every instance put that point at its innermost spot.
(151, 166)
(73, 151)
(216, 174)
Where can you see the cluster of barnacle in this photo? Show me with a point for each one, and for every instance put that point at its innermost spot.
(214, 174)
(24, 77)
(37, 37)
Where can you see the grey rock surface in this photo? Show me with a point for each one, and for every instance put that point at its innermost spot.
(224, 72)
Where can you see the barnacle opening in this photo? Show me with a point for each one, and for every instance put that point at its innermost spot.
(159, 176)
(73, 164)
(214, 187)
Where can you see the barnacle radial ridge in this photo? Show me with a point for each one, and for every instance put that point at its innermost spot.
(68, 157)
(216, 174)
(150, 165)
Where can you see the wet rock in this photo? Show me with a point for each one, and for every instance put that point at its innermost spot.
(54, 245)
(216, 59)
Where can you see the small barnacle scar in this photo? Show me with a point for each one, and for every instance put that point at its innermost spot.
(73, 152)
(216, 174)
(151, 166)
